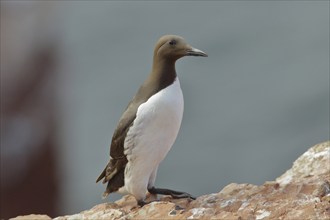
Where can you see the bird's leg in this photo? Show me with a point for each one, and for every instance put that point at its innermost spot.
(141, 203)
(150, 197)
(174, 194)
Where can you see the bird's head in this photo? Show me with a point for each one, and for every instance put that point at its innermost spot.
(172, 47)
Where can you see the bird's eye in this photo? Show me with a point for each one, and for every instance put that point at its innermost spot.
(172, 42)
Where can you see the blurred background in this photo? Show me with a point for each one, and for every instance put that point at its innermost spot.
(68, 70)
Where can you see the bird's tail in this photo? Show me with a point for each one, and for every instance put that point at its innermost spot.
(109, 171)
(102, 175)
(113, 174)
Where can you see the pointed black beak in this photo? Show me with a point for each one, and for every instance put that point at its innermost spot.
(195, 52)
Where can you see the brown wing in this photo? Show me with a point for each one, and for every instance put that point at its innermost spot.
(118, 157)
(127, 119)
(113, 173)
(118, 138)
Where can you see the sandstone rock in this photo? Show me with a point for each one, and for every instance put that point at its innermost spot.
(312, 164)
(302, 192)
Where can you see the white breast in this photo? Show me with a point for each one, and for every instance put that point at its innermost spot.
(152, 135)
(157, 123)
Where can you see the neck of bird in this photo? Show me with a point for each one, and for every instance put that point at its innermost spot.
(163, 70)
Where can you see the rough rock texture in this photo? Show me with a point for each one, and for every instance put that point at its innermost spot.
(302, 192)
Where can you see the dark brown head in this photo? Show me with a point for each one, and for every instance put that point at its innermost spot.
(172, 47)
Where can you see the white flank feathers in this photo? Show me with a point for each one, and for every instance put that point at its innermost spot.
(150, 138)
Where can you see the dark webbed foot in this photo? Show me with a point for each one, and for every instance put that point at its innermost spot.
(173, 193)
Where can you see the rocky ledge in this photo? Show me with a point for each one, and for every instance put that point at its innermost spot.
(302, 192)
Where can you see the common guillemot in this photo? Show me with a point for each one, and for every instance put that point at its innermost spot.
(149, 126)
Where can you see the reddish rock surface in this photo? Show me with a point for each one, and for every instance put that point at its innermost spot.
(302, 192)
